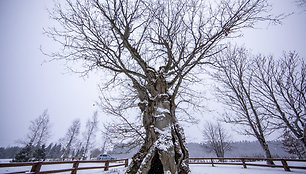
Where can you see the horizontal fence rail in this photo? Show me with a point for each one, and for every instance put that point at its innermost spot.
(250, 162)
(36, 167)
(75, 166)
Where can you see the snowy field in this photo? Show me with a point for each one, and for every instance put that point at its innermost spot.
(207, 169)
(195, 169)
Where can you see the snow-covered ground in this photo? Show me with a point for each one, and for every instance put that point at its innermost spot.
(195, 169)
(207, 169)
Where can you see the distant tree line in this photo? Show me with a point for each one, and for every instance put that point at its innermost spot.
(71, 146)
(29, 153)
(51, 151)
(9, 152)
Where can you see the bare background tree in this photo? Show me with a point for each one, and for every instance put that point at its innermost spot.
(281, 86)
(90, 134)
(39, 130)
(234, 72)
(70, 139)
(153, 48)
(38, 135)
(217, 139)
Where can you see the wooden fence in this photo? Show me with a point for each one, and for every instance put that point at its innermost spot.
(75, 166)
(249, 162)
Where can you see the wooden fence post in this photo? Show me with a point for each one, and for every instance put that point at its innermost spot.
(284, 162)
(212, 162)
(75, 167)
(243, 163)
(36, 167)
(106, 165)
(126, 162)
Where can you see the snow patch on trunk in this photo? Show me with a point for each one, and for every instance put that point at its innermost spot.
(160, 116)
(162, 110)
(164, 141)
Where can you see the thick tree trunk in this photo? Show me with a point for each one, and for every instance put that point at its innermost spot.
(304, 135)
(164, 149)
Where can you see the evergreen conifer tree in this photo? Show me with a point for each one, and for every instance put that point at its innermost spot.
(40, 153)
(293, 145)
(24, 155)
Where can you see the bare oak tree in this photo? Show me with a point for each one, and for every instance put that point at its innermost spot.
(155, 47)
(234, 72)
(217, 139)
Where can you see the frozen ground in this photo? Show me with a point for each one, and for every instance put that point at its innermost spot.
(195, 169)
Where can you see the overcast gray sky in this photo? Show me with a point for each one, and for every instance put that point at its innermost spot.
(29, 85)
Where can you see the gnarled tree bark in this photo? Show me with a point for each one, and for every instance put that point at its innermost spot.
(164, 148)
